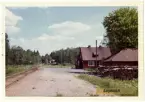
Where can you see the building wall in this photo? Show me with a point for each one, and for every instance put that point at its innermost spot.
(85, 65)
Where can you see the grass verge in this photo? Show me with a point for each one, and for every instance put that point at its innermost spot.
(12, 69)
(125, 87)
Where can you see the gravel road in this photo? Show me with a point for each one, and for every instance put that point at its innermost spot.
(52, 82)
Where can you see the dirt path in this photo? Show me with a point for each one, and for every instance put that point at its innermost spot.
(51, 82)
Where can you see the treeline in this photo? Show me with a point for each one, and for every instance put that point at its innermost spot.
(61, 56)
(65, 55)
(16, 55)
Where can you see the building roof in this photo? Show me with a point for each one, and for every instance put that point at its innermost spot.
(102, 52)
(124, 55)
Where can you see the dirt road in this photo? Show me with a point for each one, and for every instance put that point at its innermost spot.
(51, 82)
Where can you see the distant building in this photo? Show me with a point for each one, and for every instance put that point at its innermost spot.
(52, 62)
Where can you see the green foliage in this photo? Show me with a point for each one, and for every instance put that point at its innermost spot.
(7, 47)
(16, 55)
(65, 55)
(127, 87)
(90, 69)
(12, 69)
(121, 29)
(45, 59)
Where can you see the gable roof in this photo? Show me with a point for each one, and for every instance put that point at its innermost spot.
(102, 52)
(125, 55)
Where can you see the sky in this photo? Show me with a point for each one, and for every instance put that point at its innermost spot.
(52, 28)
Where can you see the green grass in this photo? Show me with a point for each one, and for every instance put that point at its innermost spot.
(90, 69)
(13, 69)
(126, 87)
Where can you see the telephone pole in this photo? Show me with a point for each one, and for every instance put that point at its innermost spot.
(61, 58)
(96, 53)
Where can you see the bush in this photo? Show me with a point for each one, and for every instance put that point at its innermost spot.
(8, 71)
(12, 69)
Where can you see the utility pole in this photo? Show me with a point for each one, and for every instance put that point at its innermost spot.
(61, 58)
(96, 53)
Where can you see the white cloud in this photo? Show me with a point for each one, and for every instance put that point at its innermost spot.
(68, 28)
(11, 21)
(63, 35)
(55, 37)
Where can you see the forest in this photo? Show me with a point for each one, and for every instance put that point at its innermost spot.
(62, 56)
(16, 55)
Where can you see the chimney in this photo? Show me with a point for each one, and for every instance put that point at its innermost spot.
(89, 46)
(100, 46)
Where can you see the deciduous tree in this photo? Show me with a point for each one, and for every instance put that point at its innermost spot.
(121, 29)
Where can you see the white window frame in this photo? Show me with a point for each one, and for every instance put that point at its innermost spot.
(91, 63)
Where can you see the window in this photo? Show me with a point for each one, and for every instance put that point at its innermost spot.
(91, 63)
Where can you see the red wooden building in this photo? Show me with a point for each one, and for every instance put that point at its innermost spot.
(87, 56)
